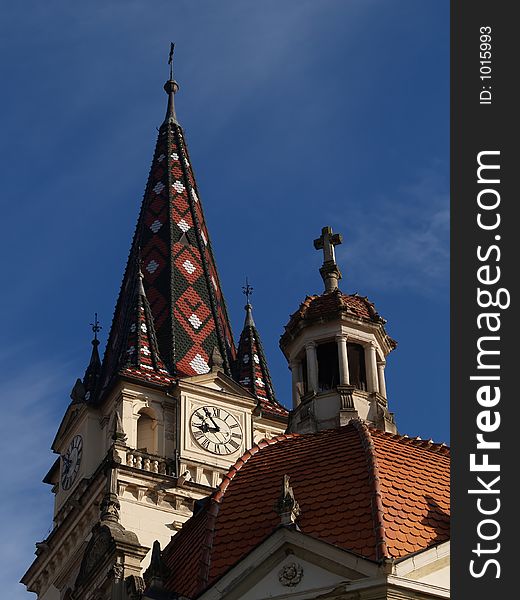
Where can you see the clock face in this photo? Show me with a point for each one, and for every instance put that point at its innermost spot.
(216, 430)
(71, 461)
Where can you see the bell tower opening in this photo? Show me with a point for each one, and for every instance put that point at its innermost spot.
(356, 365)
(328, 366)
(146, 432)
(336, 346)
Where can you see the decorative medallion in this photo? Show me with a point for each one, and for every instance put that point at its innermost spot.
(291, 574)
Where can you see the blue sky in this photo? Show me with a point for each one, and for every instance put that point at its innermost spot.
(298, 114)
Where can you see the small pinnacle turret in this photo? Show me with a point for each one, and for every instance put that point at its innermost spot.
(252, 371)
(141, 358)
(91, 377)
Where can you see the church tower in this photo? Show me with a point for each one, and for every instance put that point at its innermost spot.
(153, 427)
(336, 346)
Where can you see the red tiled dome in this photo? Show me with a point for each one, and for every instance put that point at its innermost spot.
(333, 305)
(326, 305)
(375, 494)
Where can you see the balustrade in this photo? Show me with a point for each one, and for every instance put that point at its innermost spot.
(146, 462)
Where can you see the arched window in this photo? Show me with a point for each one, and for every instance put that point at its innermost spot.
(356, 366)
(328, 366)
(146, 432)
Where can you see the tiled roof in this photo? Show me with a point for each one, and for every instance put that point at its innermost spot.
(140, 351)
(331, 305)
(272, 408)
(180, 275)
(328, 304)
(252, 371)
(375, 494)
(92, 372)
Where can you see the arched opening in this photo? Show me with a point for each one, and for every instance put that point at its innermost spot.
(356, 366)
(328, 366)
(147, 432)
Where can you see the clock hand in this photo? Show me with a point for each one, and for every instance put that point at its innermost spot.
(211, 418)
(203, 427)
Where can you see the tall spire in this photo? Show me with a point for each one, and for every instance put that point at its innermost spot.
(179, 271)
(252, 371)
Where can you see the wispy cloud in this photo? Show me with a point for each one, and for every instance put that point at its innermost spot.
(404, 243)
(33, 399)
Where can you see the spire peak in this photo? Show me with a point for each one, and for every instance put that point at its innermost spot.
(90, 379)
(171, 87)
(96, 328)
(249, 322)
(247, 290)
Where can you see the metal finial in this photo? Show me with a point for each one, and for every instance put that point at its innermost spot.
(170, 60)
(247, 290)
(171, 87)
(140, 275)
(96, 327)
(139, 262)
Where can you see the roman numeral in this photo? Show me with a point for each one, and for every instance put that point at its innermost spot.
(236, 435)
(205, 443)
(234, 426)
(234, 444)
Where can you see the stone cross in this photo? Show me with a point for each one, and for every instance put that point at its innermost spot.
(326, 242)
(329, 271)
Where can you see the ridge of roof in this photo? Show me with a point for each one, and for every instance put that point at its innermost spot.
(439, 447)
(376, 502)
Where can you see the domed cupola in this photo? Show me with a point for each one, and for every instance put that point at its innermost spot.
(336, 345)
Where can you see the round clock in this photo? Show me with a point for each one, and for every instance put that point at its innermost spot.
(71, 461)
(216, 430)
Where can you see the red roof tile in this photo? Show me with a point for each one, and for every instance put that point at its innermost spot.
(373, 493)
